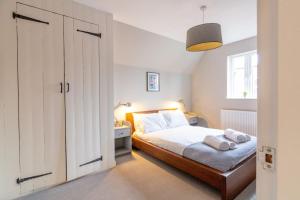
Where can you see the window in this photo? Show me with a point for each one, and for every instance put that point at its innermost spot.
(242, 76)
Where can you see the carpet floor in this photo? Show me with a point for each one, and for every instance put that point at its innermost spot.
(136, 177)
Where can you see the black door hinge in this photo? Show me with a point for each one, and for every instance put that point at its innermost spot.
(16, 15)
(90, 162)
(20, 180)
(90, 33)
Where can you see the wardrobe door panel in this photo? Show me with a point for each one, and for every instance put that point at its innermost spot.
(41, 99)
(83, 98)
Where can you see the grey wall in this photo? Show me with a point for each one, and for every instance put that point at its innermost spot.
(137, 51)
(209, 85)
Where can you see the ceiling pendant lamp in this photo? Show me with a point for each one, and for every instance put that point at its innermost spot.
(204, 37)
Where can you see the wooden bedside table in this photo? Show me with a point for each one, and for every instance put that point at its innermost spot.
(123, 144)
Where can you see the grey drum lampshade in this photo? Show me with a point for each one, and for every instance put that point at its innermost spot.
(204, 37)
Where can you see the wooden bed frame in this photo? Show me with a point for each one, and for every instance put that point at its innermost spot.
(229, 183)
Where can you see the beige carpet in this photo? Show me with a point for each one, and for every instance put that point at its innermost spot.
(136, 177)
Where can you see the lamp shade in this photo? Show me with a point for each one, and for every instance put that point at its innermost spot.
(204, 37)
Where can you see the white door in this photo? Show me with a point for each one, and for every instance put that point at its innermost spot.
(41, 99)
(82, 43)
(279, 102)
(267, 102)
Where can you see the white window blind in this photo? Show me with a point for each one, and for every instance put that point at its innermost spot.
(242, 76)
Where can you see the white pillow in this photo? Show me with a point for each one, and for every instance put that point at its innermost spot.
(174, 118)
(147, 123)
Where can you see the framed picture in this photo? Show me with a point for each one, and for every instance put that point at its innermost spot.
(153, 82)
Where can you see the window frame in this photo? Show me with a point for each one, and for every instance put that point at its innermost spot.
(248, 69)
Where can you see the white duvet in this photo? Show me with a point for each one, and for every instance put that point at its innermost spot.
(177, 139)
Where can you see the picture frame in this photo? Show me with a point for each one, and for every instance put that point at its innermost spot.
(153, 82)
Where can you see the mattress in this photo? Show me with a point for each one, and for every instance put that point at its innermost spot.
(187, 141)
(177, 139)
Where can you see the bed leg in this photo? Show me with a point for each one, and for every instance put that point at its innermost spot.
(224, 193)
(236, 181)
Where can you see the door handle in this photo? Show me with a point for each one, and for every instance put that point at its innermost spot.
(68, 87)
(61, 87)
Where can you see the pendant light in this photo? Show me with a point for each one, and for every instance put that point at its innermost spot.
(204, 37)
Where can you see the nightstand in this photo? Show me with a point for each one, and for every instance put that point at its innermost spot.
(195, 120)
(122, 140)
(192, 119)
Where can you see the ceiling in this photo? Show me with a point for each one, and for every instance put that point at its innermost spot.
(172, 18)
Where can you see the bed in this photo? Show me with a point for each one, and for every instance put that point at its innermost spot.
(229, 183)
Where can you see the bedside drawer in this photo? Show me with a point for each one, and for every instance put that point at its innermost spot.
(119, 133)
(193, 120)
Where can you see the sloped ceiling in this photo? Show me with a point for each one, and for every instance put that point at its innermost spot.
(172, 18)
(151, 33)
(139, 48)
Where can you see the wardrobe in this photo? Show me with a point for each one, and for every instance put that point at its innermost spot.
(55, 94)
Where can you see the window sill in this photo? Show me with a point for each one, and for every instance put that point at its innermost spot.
(241, 98)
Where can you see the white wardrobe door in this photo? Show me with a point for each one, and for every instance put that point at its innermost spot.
(41, 101)
(83, 99)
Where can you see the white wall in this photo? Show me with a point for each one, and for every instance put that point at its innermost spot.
(137, 51)
(209, 84)
(143, 49)
(130, 86)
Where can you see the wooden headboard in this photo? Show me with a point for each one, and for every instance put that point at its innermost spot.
(129, 116)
